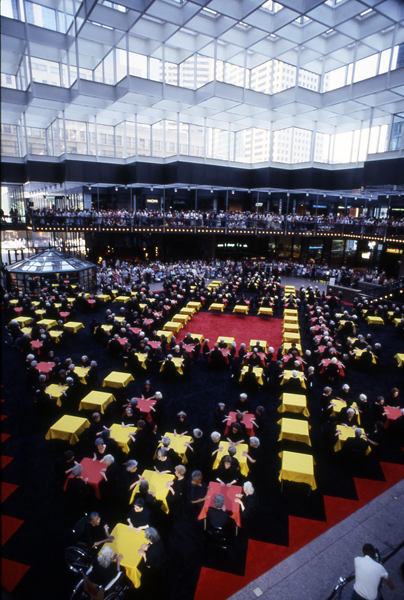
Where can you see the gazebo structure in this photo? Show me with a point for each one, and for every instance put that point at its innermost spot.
(53, 266)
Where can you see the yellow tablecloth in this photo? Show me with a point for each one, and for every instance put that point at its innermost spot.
(287, 347)
(114, 292)
(288, 374)
(22, 320)
(188, 311)
(257, 372)
(74, 326)
(339, 404)
(106, 327)
(298, 467)
(177, 444)
(172, 326)
(14, 302)
(157, 484)
(400, 359)
(56, 392)
(68, 428)
(27, 330)
(160, 332)
(265, 310)
(197, 305)
(181, 318)
(121, 435)
(239, 308)
(346, 432)
(47, 323)
(117, 379)
(253, 344)
(294, 429)
(396, 322)
(216, 306)
(55, 335)
(177, 362)
(216, 282)
(287, 326)
(227, 340)
(96, 401)
(296, 403)
(289, 336)
(104, 297)
(198, 336)
(128, 543)
(239, 455)
(291, 312)
(358, 353)
(82, 372)
(142, 359)
(40, 312)
(119, 319)
(122, 299)
(289, 288)
(290, 319)
(375, 321)
(71, 300)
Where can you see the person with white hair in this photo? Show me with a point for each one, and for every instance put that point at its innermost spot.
(351, 418)
(104, 569)
(248, 501)
(243, 405)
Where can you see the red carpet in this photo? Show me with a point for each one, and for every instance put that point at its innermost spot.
(3, 417)
(242, 328)
(5, 460)
(9, 526)
(4, 437)
(7, 489)
(261, 557)
(11, 573)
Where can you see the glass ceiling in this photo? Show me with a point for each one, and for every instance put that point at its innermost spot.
(297, 81)
(49, 261)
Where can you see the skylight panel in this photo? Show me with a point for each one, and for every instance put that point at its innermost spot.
(366, 14)
(271, 6)
(153, 19)
(302, 20)
(208, 12)
(242, 25)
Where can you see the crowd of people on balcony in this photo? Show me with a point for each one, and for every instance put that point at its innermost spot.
(215, 219)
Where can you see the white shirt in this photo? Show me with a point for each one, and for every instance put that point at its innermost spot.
(367, 577)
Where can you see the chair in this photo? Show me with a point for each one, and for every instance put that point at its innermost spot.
(96, 592)
(218, 537)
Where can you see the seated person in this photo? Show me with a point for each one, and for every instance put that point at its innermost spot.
(376, 437)
(143, 492)
(356, 443)
(248, 501)
(104, 569)
(226, 473)
(153, 552)
(253, 454)
(236, 435)
(243, 405)
(351, 418)
(95, 531)
(181, 426)
(217, 515)
(163, 463)
(139, 517)
(80, 494)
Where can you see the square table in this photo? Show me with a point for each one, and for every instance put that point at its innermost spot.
(71, 300)
(119, 319)
(375, 321)
(40, 312)
(45, 367)
(47, 323)
(358, 353)
(290, 336)
(178, 365)
(340, 404)
(56, 392)
(160, 332)
(122, 299)
(82, 372)
(227, 340)
(217, 306)
(106, 327)
(292, 312)
(27, 330)
(240, 308)
(181, 318)
(198, 336)
(288, 374)
(286, 348)
(116, 379)
(171, 326)
(36, 345)
(96, 401)
(216, 282)
(258, 371)
(347, 432)
(298, 467)
(265, 310)
(392, 414)
(239, 455)
(145, 406)
(157, 485)
(287, 326)
(295, 430)
(247, 418)
(14, 302)
(127, 542)
(104, 297)
(196, 305)
(177, 443)
(68, 428)
(142, 356)
(188, 311)
(121, 435)
(73, 326)
(296, 403)
(229, 493)
(253, 344)
(290, 319)
(92, 472)
(400, 359)
(23, 320)
(397, 322)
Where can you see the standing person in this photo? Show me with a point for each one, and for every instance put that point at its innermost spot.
(368, 574)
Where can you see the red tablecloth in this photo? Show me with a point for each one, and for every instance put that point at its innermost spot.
(232, 507)
(135, 330)
(188, 347)
(326, 361)
(148, 322)
(260, 354)
(45, 367)
(286, 357)
(64, 315)
(145, 407)
(18, 309)
(36, 345)
(154, 345)
(122, 341)
(225, 353)
(392, 414)
(91, 469)
(318, 327)
(92, 302)
(246, 420)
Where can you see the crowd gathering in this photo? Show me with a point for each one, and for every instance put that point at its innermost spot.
(131, 332)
